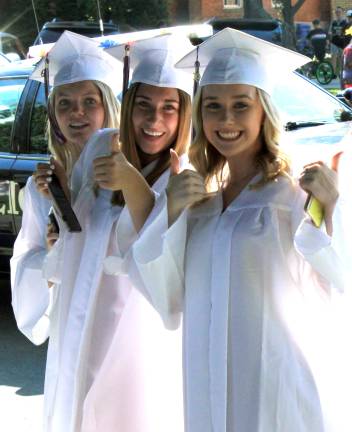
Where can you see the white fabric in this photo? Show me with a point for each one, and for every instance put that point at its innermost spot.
(260, 348)
(76, 58)
(153, 60)
(30, 292)
(234, 57)
(111, 364)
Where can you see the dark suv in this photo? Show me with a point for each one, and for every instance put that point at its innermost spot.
(52, 30)
(270, 30)
(22, 143)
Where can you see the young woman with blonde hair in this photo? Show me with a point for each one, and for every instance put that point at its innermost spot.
(249, 272)
(81, 102)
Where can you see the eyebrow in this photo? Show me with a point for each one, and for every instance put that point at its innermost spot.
(241, 96)
(165, 100)
(63, 93)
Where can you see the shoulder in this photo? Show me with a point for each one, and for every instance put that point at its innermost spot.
(284, 193)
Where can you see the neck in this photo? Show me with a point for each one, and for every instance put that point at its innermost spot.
(242, 169)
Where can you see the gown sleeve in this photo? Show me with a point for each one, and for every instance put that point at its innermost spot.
(155, 263)
(30, 292)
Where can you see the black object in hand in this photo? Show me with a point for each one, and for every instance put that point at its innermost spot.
(63, 205)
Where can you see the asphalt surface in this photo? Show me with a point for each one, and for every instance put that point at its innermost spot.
(22, 366)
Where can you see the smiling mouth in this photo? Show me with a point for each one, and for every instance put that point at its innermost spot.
(78, 126)
(229, 136)
(152, 133)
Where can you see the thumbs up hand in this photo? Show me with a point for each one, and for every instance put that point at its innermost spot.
(111, 172)
(321, 182)
(184, 188)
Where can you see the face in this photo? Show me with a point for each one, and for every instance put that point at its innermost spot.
(79, 111)
(232, 119)
(155, 118)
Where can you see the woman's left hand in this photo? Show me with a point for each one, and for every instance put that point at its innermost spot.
(322, 182)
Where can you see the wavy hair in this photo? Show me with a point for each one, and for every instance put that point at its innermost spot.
(272, 161)
(68, 153)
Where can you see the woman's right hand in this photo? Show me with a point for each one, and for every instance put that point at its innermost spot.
(43, 174)
(184, 188)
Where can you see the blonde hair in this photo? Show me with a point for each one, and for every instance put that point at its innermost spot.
(128, 140)
(68, 153)
(272, 161)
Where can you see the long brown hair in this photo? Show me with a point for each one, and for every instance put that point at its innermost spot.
(272, 161)
(128, 140)
(67, 154)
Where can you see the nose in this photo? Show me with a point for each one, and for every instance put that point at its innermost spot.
(227, 115)
(154, 114)
(77, 108)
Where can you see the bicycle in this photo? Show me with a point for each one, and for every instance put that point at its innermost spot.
(319, 68)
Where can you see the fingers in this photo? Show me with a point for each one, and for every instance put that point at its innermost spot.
(175, 167)
(115, 144)
(335, 161)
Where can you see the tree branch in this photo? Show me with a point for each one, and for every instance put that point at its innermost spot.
(297, 6)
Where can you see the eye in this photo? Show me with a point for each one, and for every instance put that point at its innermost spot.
(240, 106)
(63, 102)
(212, 106)
(142, 104)
(169, 108)
(91, 101)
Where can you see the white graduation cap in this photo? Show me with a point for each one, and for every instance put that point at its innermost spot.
(76, 58)
(153, 60)
(233, 57)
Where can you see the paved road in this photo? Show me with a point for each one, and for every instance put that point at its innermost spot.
(21, 373)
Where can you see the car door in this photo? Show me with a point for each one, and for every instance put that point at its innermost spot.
(11, 89)
(31, 150)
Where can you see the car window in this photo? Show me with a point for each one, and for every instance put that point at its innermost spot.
(299, 100)
(10, 93)
(38, 141)
(9, 45)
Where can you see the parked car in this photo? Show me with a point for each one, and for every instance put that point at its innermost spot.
(4, 59)
(11, 46)
(52, 30)
(271, 30)
(316, 122)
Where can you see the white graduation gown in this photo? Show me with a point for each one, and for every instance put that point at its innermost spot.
(111, 364)
(254, 286)
(30, 293)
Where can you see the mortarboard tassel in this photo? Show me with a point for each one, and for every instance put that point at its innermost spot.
(126, 70)
(196, 77)
(53, 122)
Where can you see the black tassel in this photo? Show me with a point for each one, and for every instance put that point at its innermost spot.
(53, 122)
(196, 77)
(126, 70)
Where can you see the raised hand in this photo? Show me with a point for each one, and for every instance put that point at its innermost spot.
(184, 188)
(321, 182)
(112, 172)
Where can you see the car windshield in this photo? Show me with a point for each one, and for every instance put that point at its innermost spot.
(298, 100)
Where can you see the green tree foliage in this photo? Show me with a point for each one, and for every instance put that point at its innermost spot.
(18, 17)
